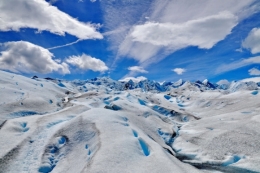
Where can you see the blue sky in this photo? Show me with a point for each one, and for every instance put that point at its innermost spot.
(159, 40)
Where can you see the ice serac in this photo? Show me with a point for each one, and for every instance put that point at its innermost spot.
(178, 83)
(104, 125)
(239, 85)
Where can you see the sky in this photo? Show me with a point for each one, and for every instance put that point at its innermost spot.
(131, 39)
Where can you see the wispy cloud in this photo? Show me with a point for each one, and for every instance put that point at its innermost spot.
(179, 71)
(39, 14)
(120, 16)
(116, 31)
(86, 62)
(238, 64)
(137, 69)
(22, 56)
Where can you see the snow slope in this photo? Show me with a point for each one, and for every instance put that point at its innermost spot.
(102, 125)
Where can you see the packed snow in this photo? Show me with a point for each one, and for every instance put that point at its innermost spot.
(102, 125)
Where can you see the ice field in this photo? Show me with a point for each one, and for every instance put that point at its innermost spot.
(105, 126)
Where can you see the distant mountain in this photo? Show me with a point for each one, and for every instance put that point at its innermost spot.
(149, 85)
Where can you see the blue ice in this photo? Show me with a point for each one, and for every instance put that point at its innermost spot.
(161, 110)
(181, 105)
(141, 102)
(61, 84)
(23, 113)
(107, 98)
(144, 147)
(54, 149)
(113, 107)
(24, 124)
(62, 140)
(234, 159)
(254, 92)
(135, 133)
(26, 129)
(45, 169)
(117, 98)
(167, 97)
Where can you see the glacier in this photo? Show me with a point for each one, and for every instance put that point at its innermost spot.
(103, 125)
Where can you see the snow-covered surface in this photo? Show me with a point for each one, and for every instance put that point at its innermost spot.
(102, 125)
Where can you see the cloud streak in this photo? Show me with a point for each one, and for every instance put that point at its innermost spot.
(65, 45)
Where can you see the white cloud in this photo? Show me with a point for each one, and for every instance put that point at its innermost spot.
(39, 14)
(252, 79)
(137, 69)
(179, 71)
(252, 42)
(22, 56)
(238, 64)
(134, 79)
(254, 72)
(86, 62)
(203, 32)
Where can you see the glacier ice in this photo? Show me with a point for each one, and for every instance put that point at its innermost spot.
(103, 125)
